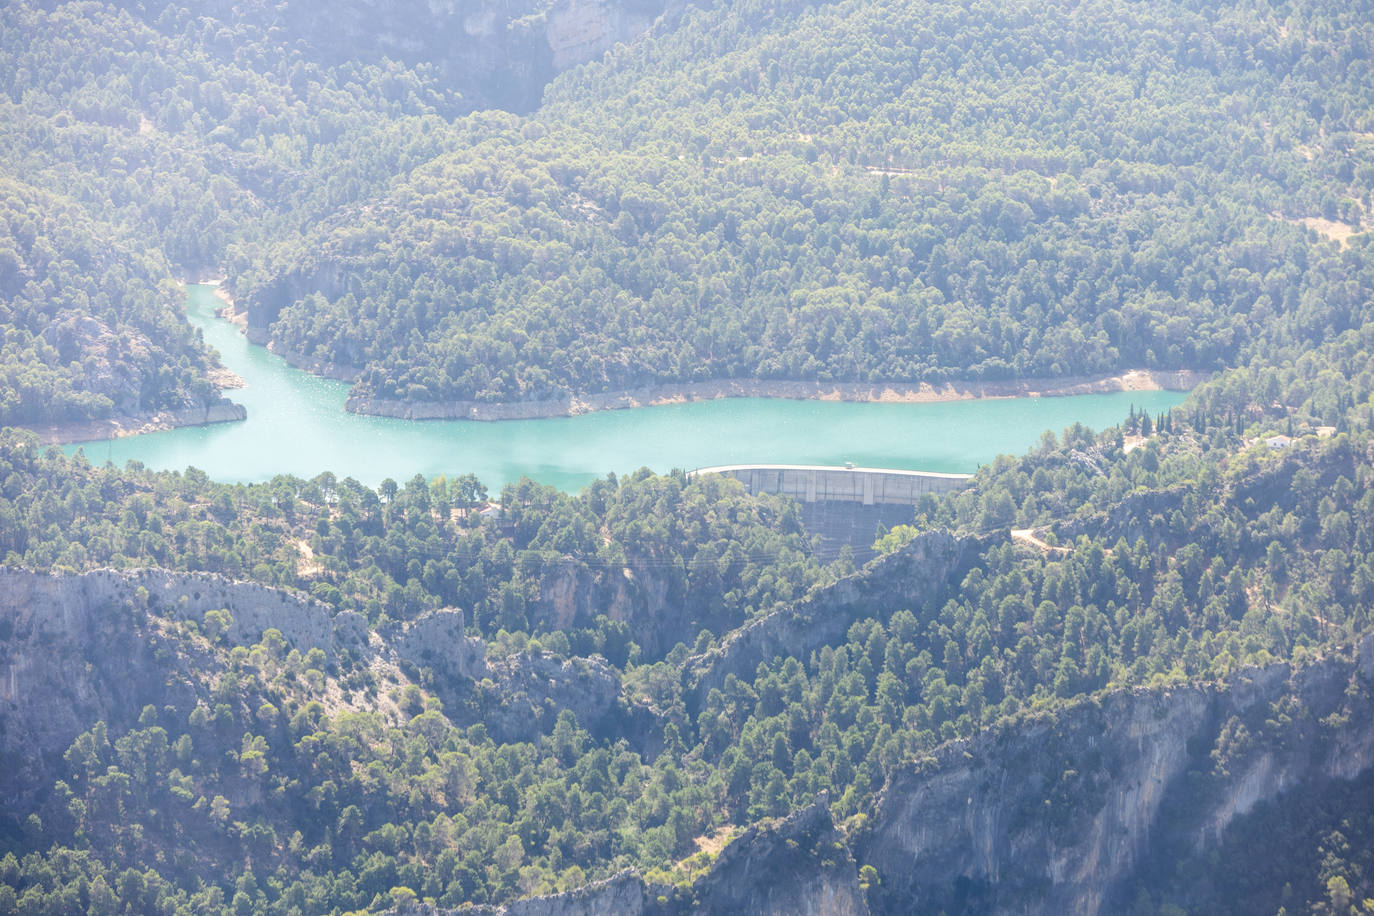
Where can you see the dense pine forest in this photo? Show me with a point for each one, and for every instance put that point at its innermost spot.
(927, 194)
(356, 782)
(658, 695)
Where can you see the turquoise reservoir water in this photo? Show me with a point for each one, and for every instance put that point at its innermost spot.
(297, 425)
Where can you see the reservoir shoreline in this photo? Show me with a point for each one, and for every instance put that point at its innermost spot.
(297, 425)
(119, 427)
(854, 392)
(660, 395)
(715, 389)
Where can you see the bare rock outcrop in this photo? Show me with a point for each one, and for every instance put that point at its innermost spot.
(438, 640)
(655, 606)
(524, 694)
(54, 602)
(1053, 814)
(799, 866)
(77, 648)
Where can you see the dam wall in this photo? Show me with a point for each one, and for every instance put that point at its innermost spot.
(820, 483)
(845, 506)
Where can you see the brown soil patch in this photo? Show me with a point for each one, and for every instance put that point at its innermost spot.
(307, 566)
(1331, 229)
(1029, 536)
(713, 843)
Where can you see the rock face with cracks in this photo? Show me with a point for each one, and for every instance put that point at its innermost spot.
(798, 866)
(99, 646)
(75, 649)
(1054, 813)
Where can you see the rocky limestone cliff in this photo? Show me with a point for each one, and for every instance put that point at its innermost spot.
(1053, 814)
(78, 648)
(438, 641)
(101, 645)
(517, 697)
(534, 688)
(651, 601)
(50, 691)
(51, 605)
(800, 866)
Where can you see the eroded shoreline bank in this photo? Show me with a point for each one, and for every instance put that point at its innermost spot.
(118, 427)
(889, 393)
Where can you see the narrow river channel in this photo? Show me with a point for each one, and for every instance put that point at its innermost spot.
(297, 425)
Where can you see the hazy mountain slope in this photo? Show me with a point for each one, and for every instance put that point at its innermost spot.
(879, 191)
(491, 54)
(191, 140)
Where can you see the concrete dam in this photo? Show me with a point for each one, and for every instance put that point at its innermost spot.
(845, 506)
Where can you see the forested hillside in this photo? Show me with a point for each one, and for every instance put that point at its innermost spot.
(925, 193)
(484, 54)
(860, 191)
(91, 329)
(309, 774)
(1149, 644)
(171, 148)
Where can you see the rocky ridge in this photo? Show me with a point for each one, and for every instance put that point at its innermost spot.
(915, 574)
(1053, 811)
(104, 644)
(1052, 814)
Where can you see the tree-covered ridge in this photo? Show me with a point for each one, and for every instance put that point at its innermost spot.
(480, 54)
(675, 556)
(92, 327)
(922, 193)
(1183, 559)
